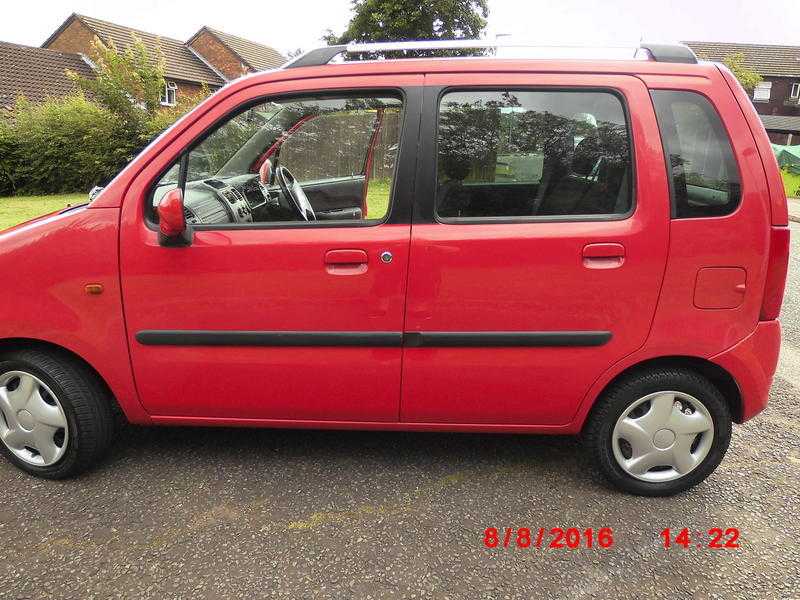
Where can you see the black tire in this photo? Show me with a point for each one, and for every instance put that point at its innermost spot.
(622, 394)
(85, 400)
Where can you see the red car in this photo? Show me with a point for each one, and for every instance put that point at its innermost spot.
(593, 247)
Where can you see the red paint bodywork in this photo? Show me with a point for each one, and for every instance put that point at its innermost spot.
(443, 277)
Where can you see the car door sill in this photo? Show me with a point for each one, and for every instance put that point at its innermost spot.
(204, 421)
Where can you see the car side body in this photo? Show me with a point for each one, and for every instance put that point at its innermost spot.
(438, 351)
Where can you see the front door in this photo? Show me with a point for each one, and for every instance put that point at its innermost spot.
(285, 306)
(538, 247)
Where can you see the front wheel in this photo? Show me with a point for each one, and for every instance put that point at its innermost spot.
(659, 432)
(55, 415)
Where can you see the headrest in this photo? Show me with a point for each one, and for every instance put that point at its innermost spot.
(586, 155)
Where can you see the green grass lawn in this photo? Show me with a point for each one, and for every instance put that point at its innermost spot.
(378, 198)
(791, 183)
(17, 209)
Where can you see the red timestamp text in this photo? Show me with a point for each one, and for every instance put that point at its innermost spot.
(570, 538)
(716, 538)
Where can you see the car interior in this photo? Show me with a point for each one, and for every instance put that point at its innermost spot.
(532, 154)
(304, 160)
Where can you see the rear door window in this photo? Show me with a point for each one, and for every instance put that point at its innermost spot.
(532, 153)
(704, 175)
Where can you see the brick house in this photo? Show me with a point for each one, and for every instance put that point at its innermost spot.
(777, 97)
(233, 56)
(209, 59)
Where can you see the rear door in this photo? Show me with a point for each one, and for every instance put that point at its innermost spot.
(538, 246)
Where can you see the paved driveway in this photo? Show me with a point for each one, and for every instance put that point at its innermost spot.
(192, 513)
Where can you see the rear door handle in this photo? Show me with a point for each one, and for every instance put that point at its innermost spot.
(346, 262)
(346, 257)
(605, 255)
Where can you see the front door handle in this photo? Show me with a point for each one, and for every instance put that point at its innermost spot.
(605, 255)
(346, 262)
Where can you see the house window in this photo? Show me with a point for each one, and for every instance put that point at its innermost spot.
(169, 95)
(762, 92)
(795, 93)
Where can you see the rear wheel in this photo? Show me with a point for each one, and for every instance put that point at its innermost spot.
(55, 415)
(659, 432)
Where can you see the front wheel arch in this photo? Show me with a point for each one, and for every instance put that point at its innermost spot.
(16, 344)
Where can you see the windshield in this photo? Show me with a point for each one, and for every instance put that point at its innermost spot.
(241, 137)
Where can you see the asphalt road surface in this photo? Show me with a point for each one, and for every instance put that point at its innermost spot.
(195, 513)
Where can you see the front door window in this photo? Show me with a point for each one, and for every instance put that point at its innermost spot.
(294, 160)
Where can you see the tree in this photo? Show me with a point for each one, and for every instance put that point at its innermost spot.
(399, 20)
(746, 76)
(128, 83)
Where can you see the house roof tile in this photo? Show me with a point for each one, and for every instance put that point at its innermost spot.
(257, 56)
(36, 73)
(781, 123)
(766, 59)
(181, 63)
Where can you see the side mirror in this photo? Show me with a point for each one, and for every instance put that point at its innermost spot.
(173, 230)
(95, 192)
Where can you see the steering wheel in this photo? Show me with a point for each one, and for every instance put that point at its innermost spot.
(294, 192)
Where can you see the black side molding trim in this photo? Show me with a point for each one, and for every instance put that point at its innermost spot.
(428, 339)
(485, 339)
(269, 338)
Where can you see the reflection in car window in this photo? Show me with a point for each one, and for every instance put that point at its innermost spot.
(216, 151)
(338, 155)
(523, 153)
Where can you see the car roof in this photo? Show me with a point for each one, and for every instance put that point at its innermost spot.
(410, 66)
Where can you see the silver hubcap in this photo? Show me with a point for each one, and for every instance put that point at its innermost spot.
(662, 436)
(33, 425)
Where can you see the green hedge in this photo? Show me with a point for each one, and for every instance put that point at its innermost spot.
(65, 145)
(8, 158)
(69, 145)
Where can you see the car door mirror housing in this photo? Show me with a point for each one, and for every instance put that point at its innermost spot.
(173, 229)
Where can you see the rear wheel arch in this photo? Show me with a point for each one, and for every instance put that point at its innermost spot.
(717, 375)
(16, 344)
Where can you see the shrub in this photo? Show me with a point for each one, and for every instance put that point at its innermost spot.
(746, 76)
(67, 144)
(8, 158)
(71, 144)
(791, 182)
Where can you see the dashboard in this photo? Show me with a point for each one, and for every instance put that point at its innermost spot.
(233, 200)
(242, 199)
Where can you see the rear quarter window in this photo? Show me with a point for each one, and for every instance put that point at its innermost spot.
(705, 179)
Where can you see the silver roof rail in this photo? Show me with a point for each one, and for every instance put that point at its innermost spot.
(670, 53)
